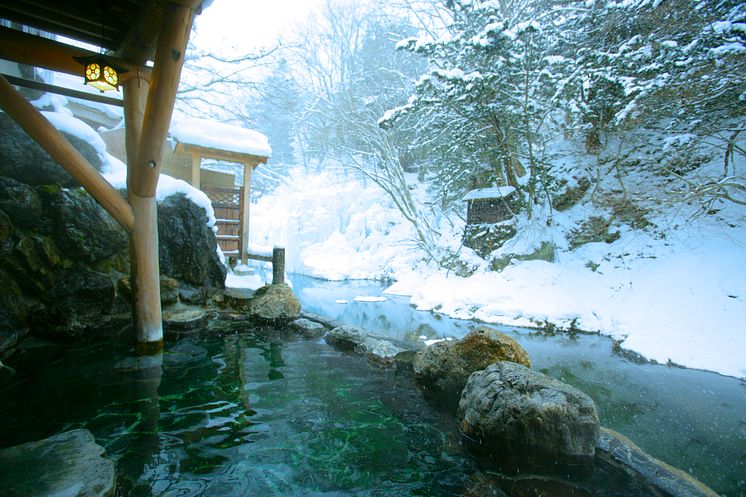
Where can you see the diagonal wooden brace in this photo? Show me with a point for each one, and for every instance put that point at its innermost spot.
(51, 140)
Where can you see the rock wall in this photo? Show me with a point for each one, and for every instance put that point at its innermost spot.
(64, 262)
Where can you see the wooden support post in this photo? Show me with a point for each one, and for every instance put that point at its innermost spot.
(278, 266)
(51, 140)
(146, 305)
(245, 205)
(196, 163)
(169, 59)
(146, 283)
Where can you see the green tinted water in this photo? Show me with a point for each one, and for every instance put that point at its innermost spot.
(242, 415)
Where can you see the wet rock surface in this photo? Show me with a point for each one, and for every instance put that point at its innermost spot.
(65, 262)
(619, 450)
(306, 328)
(187, 246)
(448, 365)
(70, 464)
(508, 403)
(378, 350)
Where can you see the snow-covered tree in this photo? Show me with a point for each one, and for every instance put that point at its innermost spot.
(496, 79)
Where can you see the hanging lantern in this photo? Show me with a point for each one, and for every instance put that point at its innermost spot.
(100, 73)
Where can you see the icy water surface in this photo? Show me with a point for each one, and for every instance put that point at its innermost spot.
(691, 419)
(242, 415)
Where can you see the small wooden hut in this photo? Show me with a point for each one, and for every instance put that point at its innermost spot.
(136, 32)
(490, 205)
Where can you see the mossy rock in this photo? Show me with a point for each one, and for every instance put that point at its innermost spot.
(571, 195)
(486, 238)
(446, 366)
(593, 230)
(545, 252)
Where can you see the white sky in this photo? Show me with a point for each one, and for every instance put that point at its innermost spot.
(247, 25)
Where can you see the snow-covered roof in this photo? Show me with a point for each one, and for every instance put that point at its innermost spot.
(220, 136)
(484, 193)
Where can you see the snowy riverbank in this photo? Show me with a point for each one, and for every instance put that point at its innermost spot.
(679, 298)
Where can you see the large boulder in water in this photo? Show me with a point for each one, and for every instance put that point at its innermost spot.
(275, 304)
(447, 365)
(70, 464)
(509, 405)
(22, 159)
(376, 349)
(187, 246)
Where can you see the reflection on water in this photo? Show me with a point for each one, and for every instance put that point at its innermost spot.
(243, 415)
(694, 420)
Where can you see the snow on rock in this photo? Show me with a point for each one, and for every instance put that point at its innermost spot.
(213, 134)
(115, 172)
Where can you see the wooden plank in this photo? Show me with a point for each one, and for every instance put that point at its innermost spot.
(46, 135)
(169, 60)
(257, 257)
(59, 90)
(36, 51)
(217, 154)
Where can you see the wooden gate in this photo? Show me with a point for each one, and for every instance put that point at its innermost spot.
(226, 202)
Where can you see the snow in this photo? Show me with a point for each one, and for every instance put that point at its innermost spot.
(221, 136)
(250, 282)
(369, 298)
(485, 193)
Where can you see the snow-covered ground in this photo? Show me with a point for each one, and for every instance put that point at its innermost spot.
(679, 298)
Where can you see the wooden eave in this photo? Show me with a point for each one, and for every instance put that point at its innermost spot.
(217, 154)
(129, 31)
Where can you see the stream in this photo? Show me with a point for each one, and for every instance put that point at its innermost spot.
(694, 420)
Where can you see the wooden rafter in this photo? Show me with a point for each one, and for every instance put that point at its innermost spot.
(42, 52)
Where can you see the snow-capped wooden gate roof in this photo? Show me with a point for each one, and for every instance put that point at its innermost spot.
(136, 31)
(216, 140)
(204, 139)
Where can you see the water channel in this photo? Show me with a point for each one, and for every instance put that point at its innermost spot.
(238, 412)
(694, 420)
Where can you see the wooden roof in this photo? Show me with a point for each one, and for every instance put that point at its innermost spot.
(129, 29)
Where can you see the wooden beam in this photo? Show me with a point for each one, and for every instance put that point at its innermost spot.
(217, 154)
(42, 52)
(196, 165)
(46, 135)
(140, 40)
(169, 59)
(245, 204)
(59, 90)
(145, 268)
